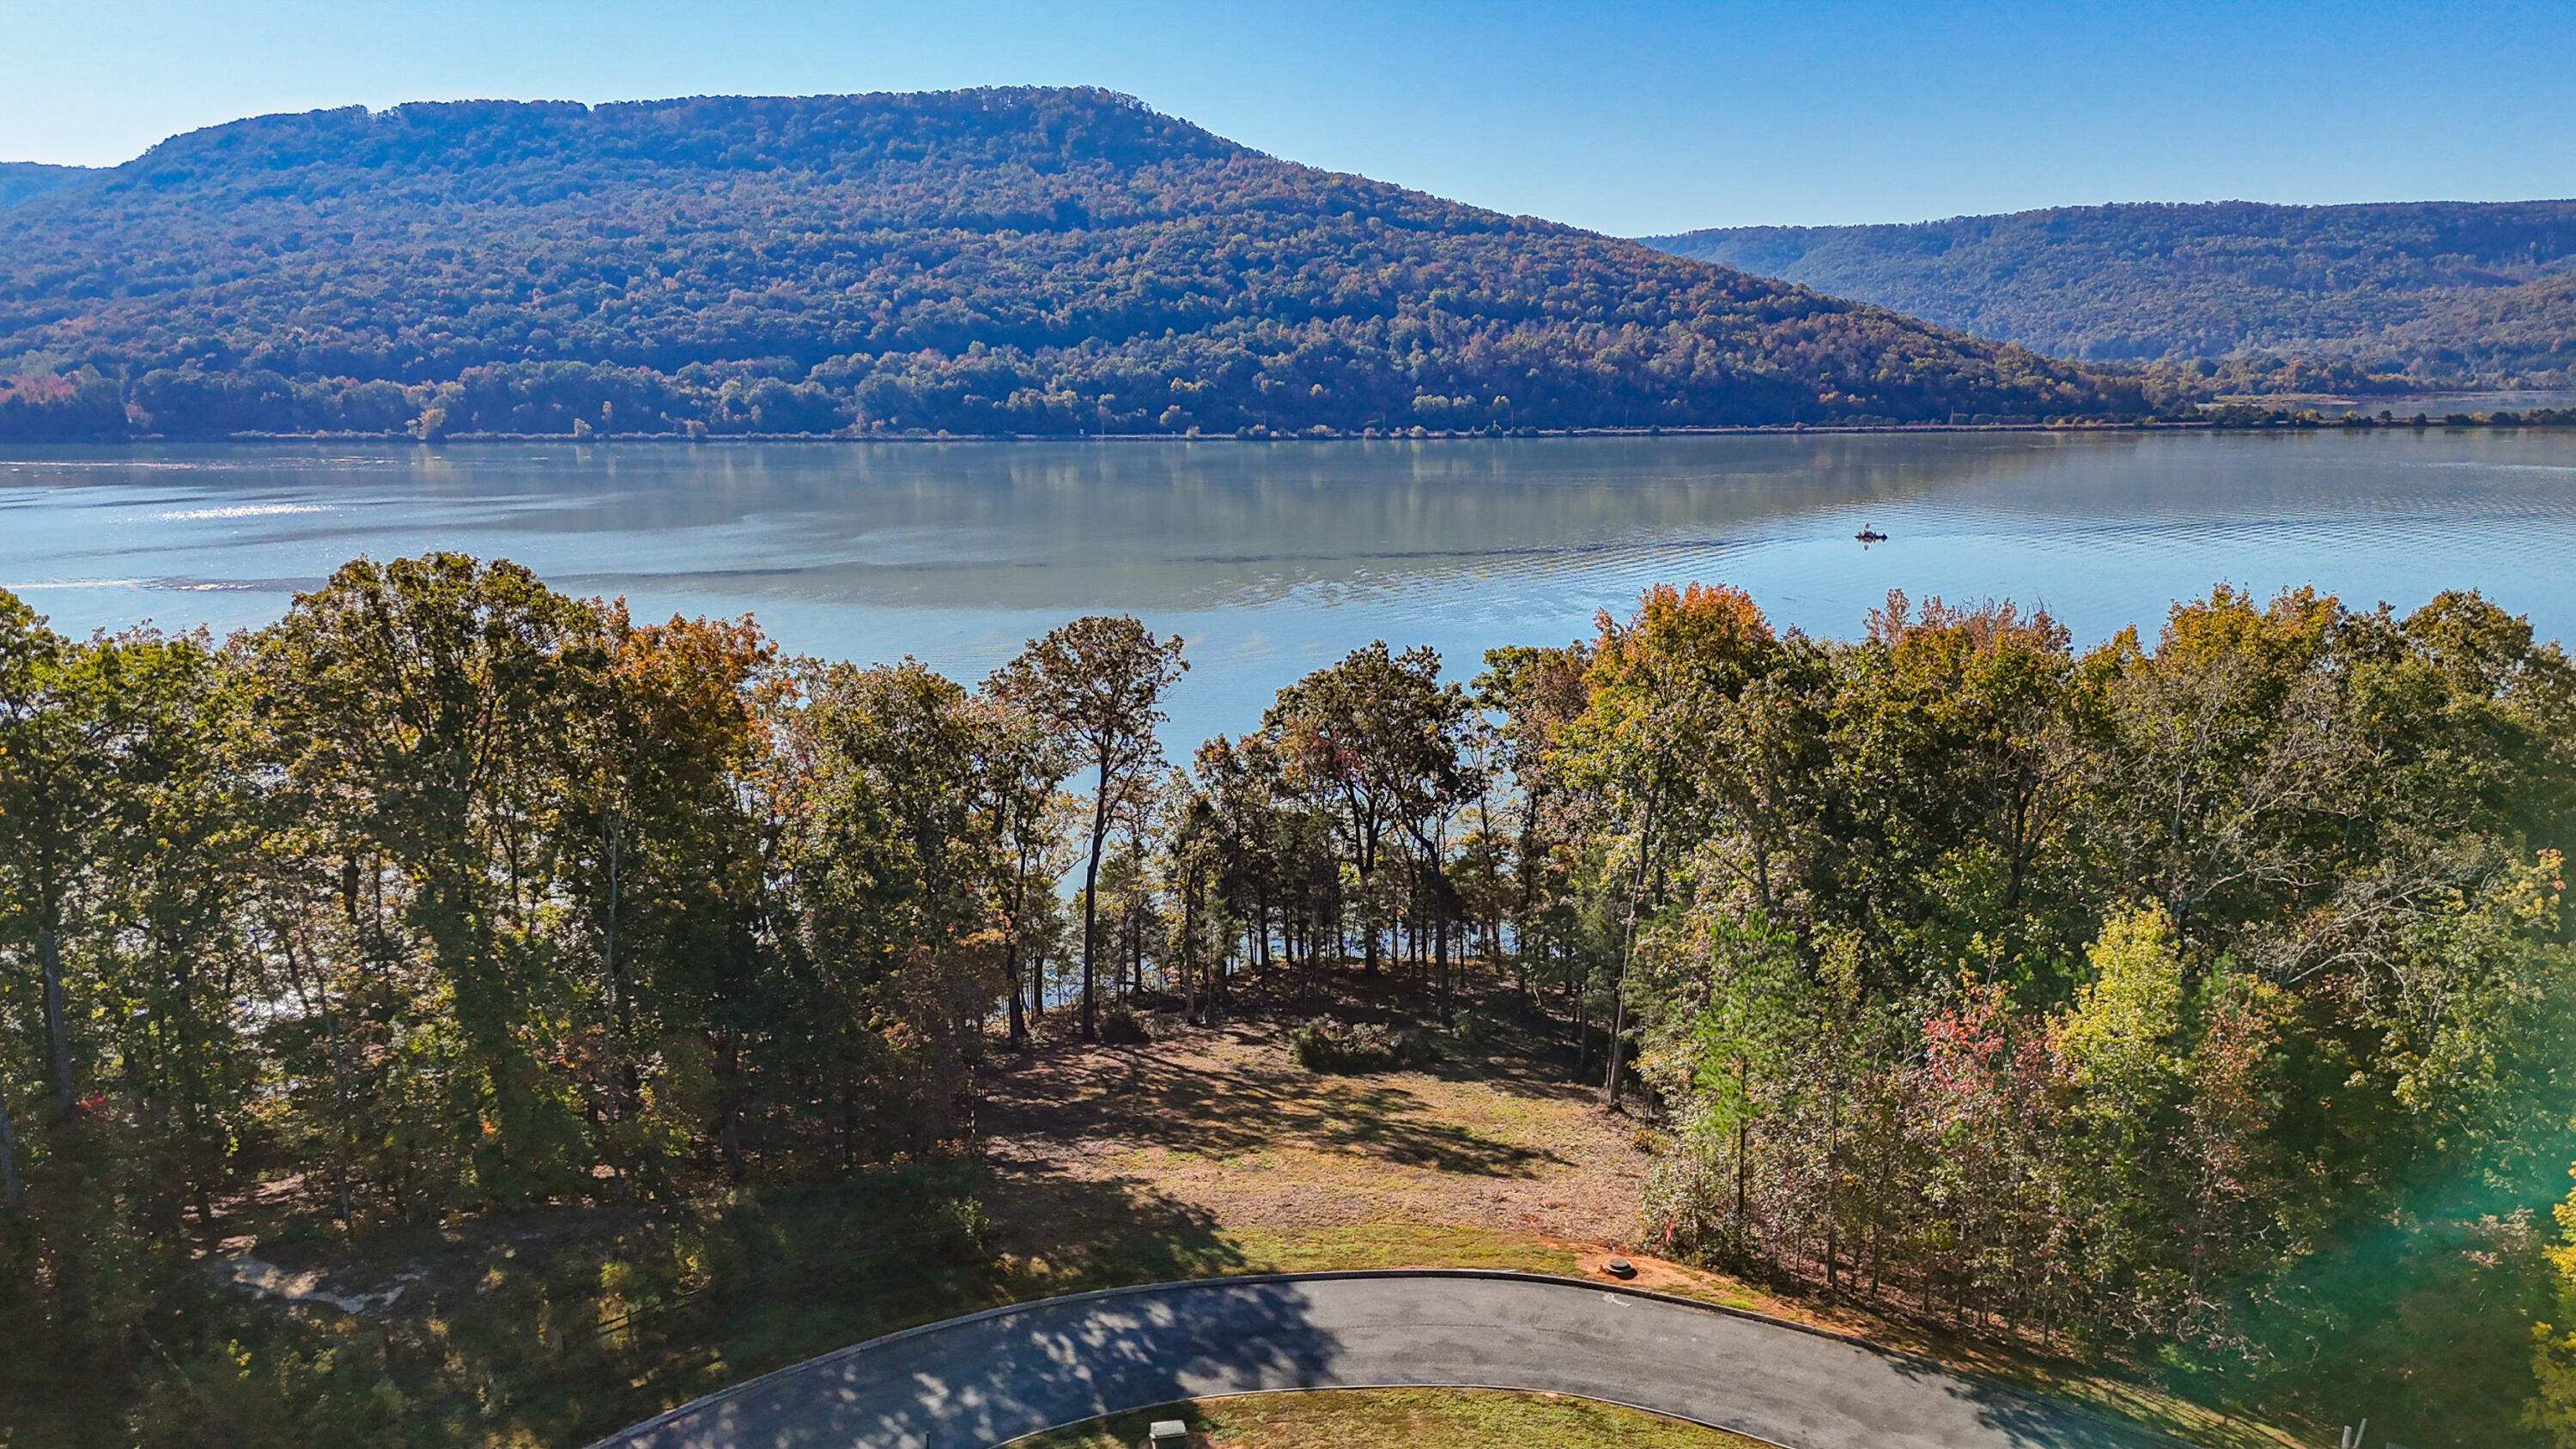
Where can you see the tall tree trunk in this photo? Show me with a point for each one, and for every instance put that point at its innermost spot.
(1088, 1029)
(1440, 940)
(1364, 862)
(1627, 954)
(1189, 952)
(1190, 983)
(1582, 1016)
(1833, 1176)
(729, 1105)
(1012, 963)
(57, 1027)
(1743, 1163)
(8, 1154)
(1011, 967)
(608, 952)
(842, 1075)
(318, 1001)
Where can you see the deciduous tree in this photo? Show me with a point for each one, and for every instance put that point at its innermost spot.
(1099, 680)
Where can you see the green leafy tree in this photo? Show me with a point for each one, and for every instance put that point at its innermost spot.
(59, 722)
(1100, 681)
(893, 858)
(1380, 739)
(1028, 764)
(184, 866)
(423, 712)
(660, 839)
(1538, 692)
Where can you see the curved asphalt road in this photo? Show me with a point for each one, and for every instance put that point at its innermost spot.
(973, 1382)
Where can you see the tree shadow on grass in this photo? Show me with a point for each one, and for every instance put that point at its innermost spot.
(1216, 1110)
(1057, 1233)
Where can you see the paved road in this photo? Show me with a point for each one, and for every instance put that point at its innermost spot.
(977, 1381)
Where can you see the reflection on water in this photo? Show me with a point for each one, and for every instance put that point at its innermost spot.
(1275, 558)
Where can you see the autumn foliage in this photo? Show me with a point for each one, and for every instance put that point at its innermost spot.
(1050, 262)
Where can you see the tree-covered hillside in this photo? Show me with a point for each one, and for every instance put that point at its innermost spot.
(25, 180)
(1045, 261)
(2440, 289)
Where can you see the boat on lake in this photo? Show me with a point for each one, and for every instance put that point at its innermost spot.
(1869, 534)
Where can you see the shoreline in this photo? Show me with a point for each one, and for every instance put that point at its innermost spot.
(2276, 421)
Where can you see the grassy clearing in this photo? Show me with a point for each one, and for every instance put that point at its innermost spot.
(1223, 1124)
(1148, 1257)
(1415, 1418)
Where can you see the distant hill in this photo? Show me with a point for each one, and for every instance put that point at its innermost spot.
(2441, 289)
(1033, 261)
(25, 180)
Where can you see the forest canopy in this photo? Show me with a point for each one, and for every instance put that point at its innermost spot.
(2435, 291)
(992, 261)
(24, 180)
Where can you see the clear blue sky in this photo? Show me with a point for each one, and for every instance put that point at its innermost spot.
(1629, 118)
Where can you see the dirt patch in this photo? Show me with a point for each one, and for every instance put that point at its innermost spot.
(1222, 1123)
(1666, 1277)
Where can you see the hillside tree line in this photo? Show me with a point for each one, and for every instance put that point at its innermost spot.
(2381, 294)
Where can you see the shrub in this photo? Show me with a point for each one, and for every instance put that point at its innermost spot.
(1326, 1045)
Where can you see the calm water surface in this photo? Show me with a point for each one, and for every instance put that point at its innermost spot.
(1273, 559)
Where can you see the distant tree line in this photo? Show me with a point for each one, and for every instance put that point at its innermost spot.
(2408, 293)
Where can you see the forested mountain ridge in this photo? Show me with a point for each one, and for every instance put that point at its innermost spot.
(2438, 289)
(1045, 261)
(25, 180)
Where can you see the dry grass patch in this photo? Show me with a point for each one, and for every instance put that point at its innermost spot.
(1417, 1418)
(1221, 1122)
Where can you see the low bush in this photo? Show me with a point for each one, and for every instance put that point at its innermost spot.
(1326, 1045)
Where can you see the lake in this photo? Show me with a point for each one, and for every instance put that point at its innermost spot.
(1275, 558)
